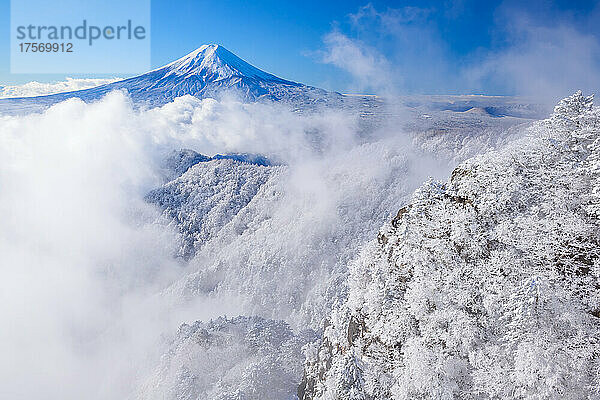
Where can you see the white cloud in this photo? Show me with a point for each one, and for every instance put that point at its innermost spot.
(82, 264)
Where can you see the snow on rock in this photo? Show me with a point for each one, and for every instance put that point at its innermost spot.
(482, 287)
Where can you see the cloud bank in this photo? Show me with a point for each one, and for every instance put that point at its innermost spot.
(84, 263)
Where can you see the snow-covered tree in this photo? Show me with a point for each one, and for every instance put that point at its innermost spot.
(486, 286)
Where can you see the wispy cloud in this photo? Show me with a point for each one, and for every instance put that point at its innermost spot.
(403, 50)
(546, 62)
(370, 69)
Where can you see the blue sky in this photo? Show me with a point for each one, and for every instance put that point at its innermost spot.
(424, 46)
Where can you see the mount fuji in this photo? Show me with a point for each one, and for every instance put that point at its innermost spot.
(209, 71)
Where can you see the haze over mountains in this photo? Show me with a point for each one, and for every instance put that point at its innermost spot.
(216, 232)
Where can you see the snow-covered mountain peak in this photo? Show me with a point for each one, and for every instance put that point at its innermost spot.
(214, 62)
(208, 71)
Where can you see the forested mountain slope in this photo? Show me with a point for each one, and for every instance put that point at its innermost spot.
(486, 286)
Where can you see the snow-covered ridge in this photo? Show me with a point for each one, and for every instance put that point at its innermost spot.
(179, 161)
(205, 193)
